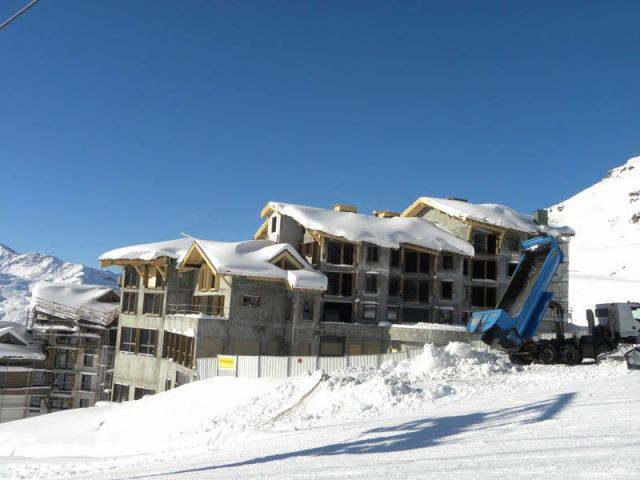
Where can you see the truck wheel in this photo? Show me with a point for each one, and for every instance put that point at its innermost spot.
(569, 354)
(547, 354)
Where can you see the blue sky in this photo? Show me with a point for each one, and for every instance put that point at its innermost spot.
(131, 121)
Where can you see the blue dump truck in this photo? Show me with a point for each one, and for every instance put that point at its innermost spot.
(512, 326)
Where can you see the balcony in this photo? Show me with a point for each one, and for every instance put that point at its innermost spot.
(208, 310)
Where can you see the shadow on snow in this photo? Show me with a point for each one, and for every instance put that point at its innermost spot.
(412, 435)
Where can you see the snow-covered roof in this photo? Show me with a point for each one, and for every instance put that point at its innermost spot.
(489, 213)
(385, 232)
(17, 343)
(253, 258)
(74, 300)
(149, 251)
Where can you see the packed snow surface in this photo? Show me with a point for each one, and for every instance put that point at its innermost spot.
(452, 412)
(494, 214)
(385, 232)
(604, 256)
(19, 273)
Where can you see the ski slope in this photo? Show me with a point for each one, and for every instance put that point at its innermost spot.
(604, 257)
(452, 413)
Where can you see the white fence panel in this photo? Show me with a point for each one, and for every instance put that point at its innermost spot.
(331, 364)
(248, 366)
(301, 365)
(274, 367)
(414, 352)
(364, 360)
(207, 367)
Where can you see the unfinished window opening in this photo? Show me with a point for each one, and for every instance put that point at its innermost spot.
(484, 297)
(148, 341)
(372, 254)
(465, 293)
(394, 260)
(206, 279)
(394, 286)
(212, 305)
(415, 291)
(120, 392)
(392, 313)
(415, 315)
(311, 252)
(128, 339)
(339, 284)
(63, 382)
(274, 224)
(139, 393)
(307, 310)
(416, 262)
(446, 291)
(34, 403)
(130, 277)
(446, 317)
(152, 277)
(332, 346)
(85, 383)
(511, 268)
(178, 348)
(339, 253)
(370, 312)
(447, 262)
(64, 360)
(465, 267)
(129, 302)
(153, 303)
(84, 403)
(479, 240)
(88, 360)
(492, 244)
(371, 283)
(337, 312)
(484, 270)
(513, 243)
(250, 301)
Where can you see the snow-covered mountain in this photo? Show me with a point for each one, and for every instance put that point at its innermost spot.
(18, 273)
(604, 261)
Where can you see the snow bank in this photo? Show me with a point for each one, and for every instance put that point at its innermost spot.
(386, 232)
(201, 412)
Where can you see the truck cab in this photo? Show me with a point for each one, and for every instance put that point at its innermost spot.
(619, 320)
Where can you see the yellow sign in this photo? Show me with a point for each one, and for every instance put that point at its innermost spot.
(226, 362)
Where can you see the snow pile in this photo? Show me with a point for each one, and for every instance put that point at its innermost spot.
(604, 253)
(202, 412)
(386, 232)
(19, 272)
(493, 214)
(438, 372)
(209, 416)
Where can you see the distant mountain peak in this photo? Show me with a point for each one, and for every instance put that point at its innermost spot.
(19, 272)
